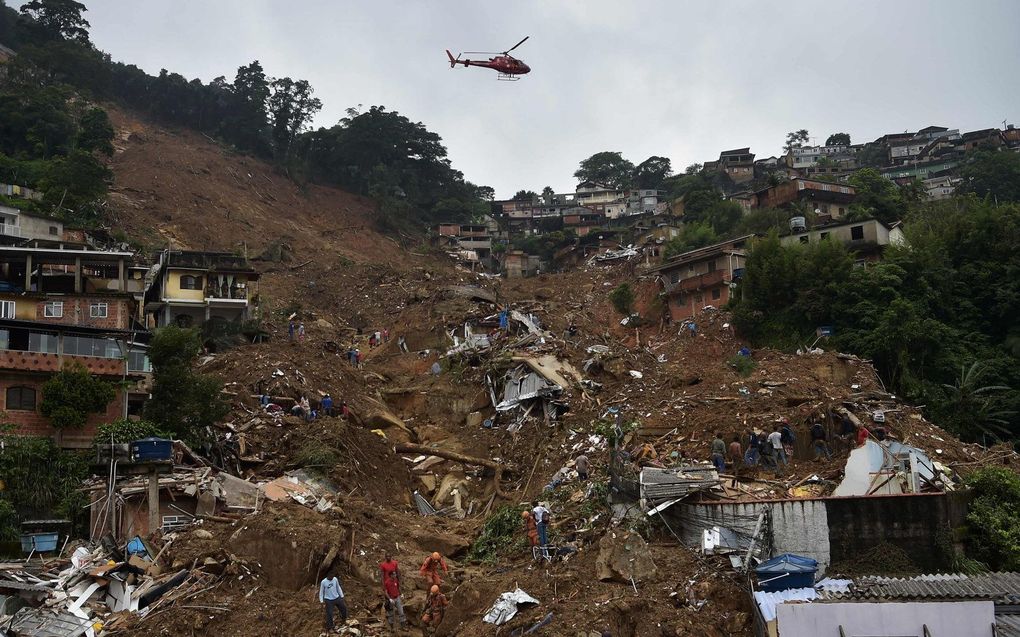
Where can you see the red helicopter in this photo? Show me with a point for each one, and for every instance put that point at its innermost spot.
(508, 66)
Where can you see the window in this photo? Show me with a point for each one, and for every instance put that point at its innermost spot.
(54, 230)
(138, 361)
(690, 269)
(99, 310)
(700, 298)
(842, 210)
(823, 236)
(53, 309)
(88, 346)
(189, 282)
(20, 399)
(42, 342)
(857, 233)
(7, 309)
(804, 239)
(716, 294)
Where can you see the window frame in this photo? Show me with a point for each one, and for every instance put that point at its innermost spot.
(53, 309)
(93, 305)
(195, 282)
(3, 309)
(854, 230)
(20, 403)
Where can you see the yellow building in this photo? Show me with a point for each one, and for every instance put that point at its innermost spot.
(190, 288)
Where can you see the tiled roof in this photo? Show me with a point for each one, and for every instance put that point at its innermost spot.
(1003, 588)
(1007, 625)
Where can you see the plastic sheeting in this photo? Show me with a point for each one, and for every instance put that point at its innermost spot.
(504, 609)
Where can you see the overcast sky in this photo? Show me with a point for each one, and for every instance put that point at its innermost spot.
(680, 79)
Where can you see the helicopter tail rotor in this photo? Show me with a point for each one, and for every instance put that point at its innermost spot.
(453, 60)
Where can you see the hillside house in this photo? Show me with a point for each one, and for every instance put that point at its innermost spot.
(985, 138)
(738, 164)
(646, 202)
(589, 192)
(582, 220)
(191, 288)
(866, 239)
(809, 156)
(941, 187)
(518, 265)
(821, 196)
(702, 277)
(60, 306)
(17, 225)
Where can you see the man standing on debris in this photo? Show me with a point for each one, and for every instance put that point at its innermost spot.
(753, 449)
(290, 329)
(391, 588)
(847, 432)
(327, 405)
(430, 568)
(788, 438)
(719, 453)
(435, 608)
(331, 594)
(736, 454)
(818, 436)
(301, 332)
(775, 440)
(582, 466)
(542, 516)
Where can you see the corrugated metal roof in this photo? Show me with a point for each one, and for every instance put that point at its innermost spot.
(1007, 625)
(767, 602)
(999, 587)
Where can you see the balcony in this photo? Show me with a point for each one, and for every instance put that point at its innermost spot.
(10, 230)
(700, 281)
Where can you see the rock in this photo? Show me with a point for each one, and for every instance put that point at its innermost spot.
(474, 419)
(324, 324)
(623, 555)
(202, 534)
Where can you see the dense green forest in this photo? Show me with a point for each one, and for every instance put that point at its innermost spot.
(371, 151)
(937, 316)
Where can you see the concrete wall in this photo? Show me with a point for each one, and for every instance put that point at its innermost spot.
(959, 619)
(831, 530)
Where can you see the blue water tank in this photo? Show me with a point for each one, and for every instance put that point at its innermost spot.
(786, 571)
(152, 450)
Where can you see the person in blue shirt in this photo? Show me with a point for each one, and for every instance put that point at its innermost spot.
(327, 405)
(332, 595)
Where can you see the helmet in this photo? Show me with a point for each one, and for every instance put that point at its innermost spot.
(524, 514)
(434, 589)
(435, 556)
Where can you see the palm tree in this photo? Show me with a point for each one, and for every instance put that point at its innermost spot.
(975, 407)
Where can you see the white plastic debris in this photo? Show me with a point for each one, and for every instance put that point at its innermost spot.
(504, 608)
(636, 374)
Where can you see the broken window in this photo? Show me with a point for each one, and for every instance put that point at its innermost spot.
(20, 399)
(857, 233)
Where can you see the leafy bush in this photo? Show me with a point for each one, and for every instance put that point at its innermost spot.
(41, 480)
(743, 365)
(317, 457)
(124, 431)
(70, 395)
(502, 532)
(993, 522)
(622, 298)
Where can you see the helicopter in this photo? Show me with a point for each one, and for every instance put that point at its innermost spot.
(508, 67)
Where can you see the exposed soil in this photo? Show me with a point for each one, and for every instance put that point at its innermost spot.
(345, 280)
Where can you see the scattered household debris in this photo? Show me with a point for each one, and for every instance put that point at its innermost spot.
(505, 606)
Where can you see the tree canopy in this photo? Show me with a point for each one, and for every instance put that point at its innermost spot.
(607, 168)
(796, 139)
(838, 139)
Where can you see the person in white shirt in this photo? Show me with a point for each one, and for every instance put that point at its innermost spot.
(776, 440)
(542, 522)
(331, 594)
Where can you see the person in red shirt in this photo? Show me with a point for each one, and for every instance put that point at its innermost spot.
(862, 435)
(391, 588)
(430, 569)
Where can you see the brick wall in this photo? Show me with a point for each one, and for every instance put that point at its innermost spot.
(33, 423)
(77, 311)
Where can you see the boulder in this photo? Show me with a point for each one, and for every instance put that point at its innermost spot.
(623, 555)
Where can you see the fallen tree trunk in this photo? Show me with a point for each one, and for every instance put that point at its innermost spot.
(407, 447)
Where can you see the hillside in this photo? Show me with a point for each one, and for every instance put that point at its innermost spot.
(342, 276)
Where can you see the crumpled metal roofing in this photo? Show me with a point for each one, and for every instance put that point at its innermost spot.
(1003, 588)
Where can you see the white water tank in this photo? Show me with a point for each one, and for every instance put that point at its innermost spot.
(798, 224)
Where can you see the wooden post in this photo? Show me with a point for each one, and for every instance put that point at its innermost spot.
(121, 275)
(28, 272)
(154, 500)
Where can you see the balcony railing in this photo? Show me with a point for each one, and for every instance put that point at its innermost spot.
(236, 294)
(9, 230)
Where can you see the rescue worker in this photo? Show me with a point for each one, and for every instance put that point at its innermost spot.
(530, 528)
(435, 609)
(430, 569)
